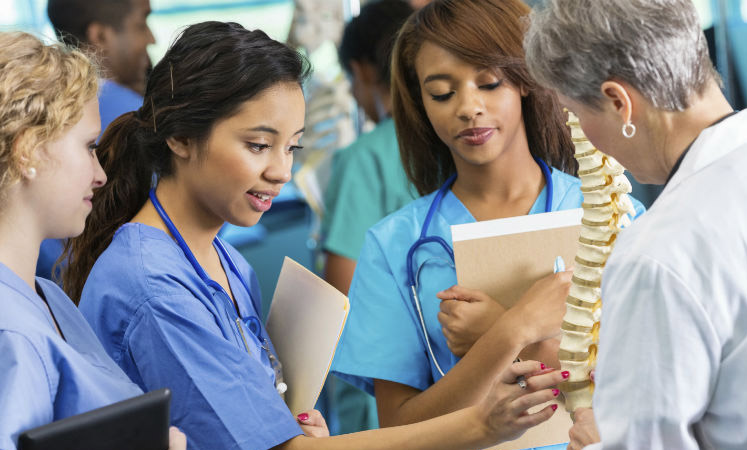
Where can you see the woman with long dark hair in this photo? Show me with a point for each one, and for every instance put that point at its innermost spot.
(175, 305)
(481, 140)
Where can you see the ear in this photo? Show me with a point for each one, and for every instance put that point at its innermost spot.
(619, 99)
(20, 147)
(364, 72)
(181, 147)
(99, 35)
(27, 170)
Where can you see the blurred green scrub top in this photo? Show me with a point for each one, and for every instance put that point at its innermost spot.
(367, 183)
(44, 377)
(166, 327)
(382, 337)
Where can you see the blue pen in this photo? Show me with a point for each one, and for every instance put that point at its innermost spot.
(559, 265)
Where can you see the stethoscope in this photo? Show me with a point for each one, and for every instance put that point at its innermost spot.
(252, 322)
(412, 276)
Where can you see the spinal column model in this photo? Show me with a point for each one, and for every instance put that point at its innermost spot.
(606, 208)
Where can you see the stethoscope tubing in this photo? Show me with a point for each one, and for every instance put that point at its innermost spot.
(252, 321)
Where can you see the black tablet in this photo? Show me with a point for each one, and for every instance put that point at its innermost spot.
(138, 423)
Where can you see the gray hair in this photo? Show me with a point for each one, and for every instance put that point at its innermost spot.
(656, 46)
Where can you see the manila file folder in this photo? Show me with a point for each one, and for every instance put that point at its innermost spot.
(503, 258)
(305, 322)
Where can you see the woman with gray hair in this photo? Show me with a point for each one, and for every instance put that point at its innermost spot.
(673, 341)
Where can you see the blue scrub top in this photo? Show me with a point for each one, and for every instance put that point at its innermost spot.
(382, 337)
(44, 378)
(115, 100)
(165, 327)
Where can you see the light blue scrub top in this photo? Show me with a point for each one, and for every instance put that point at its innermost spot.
(44, 378)
(165, 327)
(382, 337)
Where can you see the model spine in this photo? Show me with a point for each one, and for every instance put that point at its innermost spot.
(607, 209)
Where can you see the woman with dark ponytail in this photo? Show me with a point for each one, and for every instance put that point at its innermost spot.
(176, 306)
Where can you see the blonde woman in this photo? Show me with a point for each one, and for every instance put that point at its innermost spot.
(52, 364)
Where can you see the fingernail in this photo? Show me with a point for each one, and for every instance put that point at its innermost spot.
(565, 374)
(542, 366)
(303, 417)
(554, 407)
(555, 392)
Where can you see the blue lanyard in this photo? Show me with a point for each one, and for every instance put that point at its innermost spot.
(252, 322)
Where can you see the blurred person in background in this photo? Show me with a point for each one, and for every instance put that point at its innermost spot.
(115, 33)
(367, 181)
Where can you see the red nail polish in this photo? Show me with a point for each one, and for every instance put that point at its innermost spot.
(554, 407)
(555, 392)
(542, 366)
(303, 417)
(565, 374)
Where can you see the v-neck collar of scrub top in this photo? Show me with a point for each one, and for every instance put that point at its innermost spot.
(237, 289)
(246, 302)
(453, 210)
(77, 334)
(34, 304)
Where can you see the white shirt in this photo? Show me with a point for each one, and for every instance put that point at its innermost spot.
(672, 368)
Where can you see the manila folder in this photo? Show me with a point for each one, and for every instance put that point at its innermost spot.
(503, 258)
(305, 322)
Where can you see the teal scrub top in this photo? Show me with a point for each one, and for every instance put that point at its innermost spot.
(367, 183)
(382, 337)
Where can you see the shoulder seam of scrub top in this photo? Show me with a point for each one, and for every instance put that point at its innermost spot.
(159, 235)
(50, 388)
(137, 316)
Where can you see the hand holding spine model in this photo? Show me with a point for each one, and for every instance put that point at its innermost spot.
(606, 207)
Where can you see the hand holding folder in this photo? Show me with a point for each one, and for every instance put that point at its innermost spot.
(305, 324)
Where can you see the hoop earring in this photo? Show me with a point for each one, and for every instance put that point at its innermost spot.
(629, 130)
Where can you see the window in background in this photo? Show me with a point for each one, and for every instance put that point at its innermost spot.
(272, 16)
(26, 15)
(169, 16)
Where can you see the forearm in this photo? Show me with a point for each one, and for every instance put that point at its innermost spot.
(544, 351)
(339, 271)
(462, 429)
(466, 383)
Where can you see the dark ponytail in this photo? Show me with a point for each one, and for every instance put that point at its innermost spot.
(206, 75)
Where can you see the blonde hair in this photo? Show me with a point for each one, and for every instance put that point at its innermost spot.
(43, 89)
